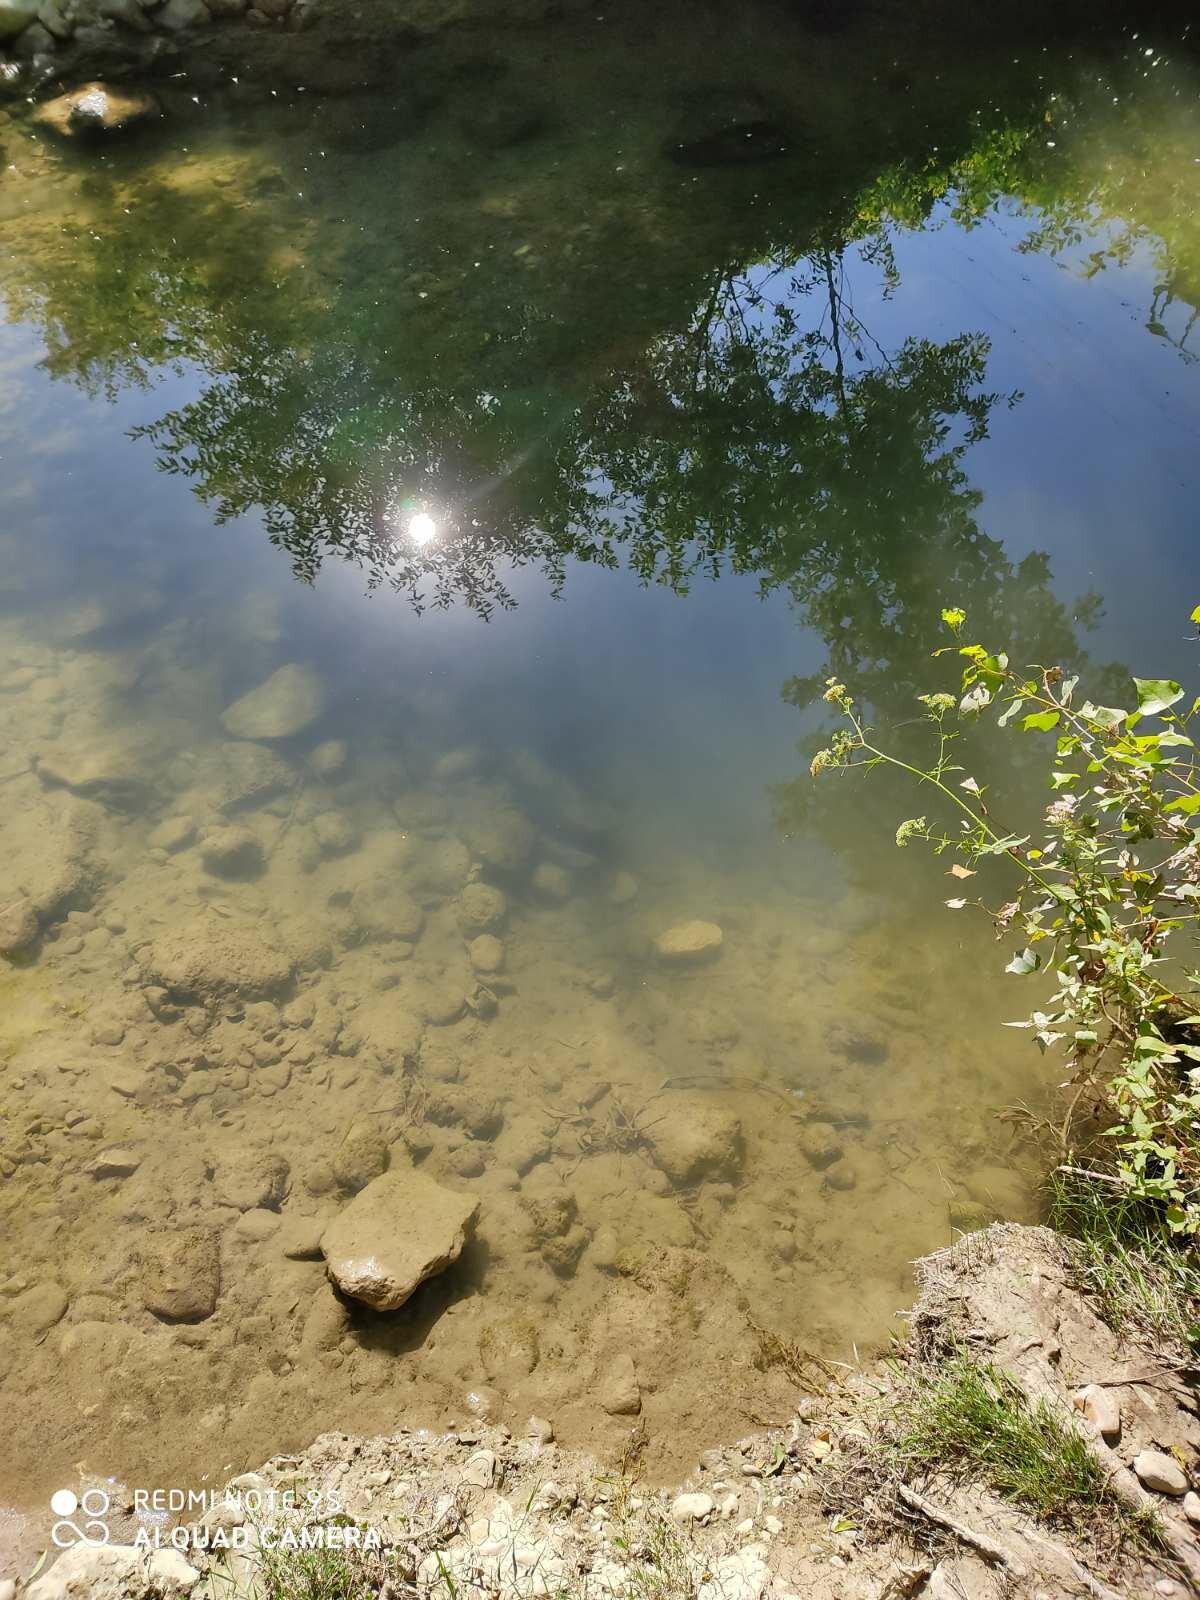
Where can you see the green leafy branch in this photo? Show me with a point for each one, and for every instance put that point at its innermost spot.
(1113, 875)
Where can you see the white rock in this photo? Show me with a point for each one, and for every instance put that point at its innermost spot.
(1100, 1408)
(744, 1575)
(288, 701)
(8, 1589)
(399, 1230)
(480, 1470)
(111, 1572)
(693, 1507)
(1161, 1472)
(1191, 1506)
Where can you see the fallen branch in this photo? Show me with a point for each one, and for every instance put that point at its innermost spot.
(988, 1548)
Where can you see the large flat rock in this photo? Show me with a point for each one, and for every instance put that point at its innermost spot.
(287, 702)
(400, 1230)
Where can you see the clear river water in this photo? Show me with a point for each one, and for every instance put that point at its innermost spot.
(528, 439)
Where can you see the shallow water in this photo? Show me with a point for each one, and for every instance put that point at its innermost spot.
(685, 436)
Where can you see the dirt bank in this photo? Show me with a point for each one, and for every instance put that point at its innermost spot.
(814, 1506)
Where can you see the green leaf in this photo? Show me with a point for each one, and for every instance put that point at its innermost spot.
(1169, 739)
(1040, 721)
(1027, 961)
(1006, 716)
(954, 618)
(1156, 694)
(1189, 804)
(1103, 716)
(1060, 780)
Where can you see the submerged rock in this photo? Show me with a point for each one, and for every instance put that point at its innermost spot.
(244, 776)
(400, 1230)
(328, 760)
(232, 851)
(689, 943)
(482, 908)
(181, 1275)
(38, 1308)
(16, 16)
(618, 1390)
(695, 1137)
(210, 955)
(96, 109)
(179, 16)
(172, 834)
(504, 841)
(19, 926)
(290, 699)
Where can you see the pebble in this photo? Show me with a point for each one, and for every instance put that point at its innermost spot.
(539, 1430)
(8, 1589)
(1161, 1472)
(1100, 1408)
(114, 1164)
(1191, 1507)
(696, 1507)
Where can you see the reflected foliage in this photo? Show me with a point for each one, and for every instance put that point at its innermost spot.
(693, 393)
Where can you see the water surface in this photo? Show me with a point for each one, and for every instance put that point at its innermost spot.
(567, 469)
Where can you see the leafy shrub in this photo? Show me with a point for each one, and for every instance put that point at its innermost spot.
(1112, 876)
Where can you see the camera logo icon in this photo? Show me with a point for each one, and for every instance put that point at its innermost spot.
(91, 1508)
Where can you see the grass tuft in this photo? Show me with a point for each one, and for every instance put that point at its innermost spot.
(1145, 1279)
(979, 1419)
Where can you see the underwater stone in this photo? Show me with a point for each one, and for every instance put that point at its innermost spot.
(207, 955)
(400, 1230)
(694, 1138)
(619, 1392)
(38, 1308)
(486, 953)
(175, 833)
(482, 908)
(19, 927)
(179, 15)
(335, 833)
(552, 882)
(232, 852)
(288, 701)
(181, 1275)
(688, 943)
(504, 841)
(16, 16)
(97, 109)
(329, 758)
